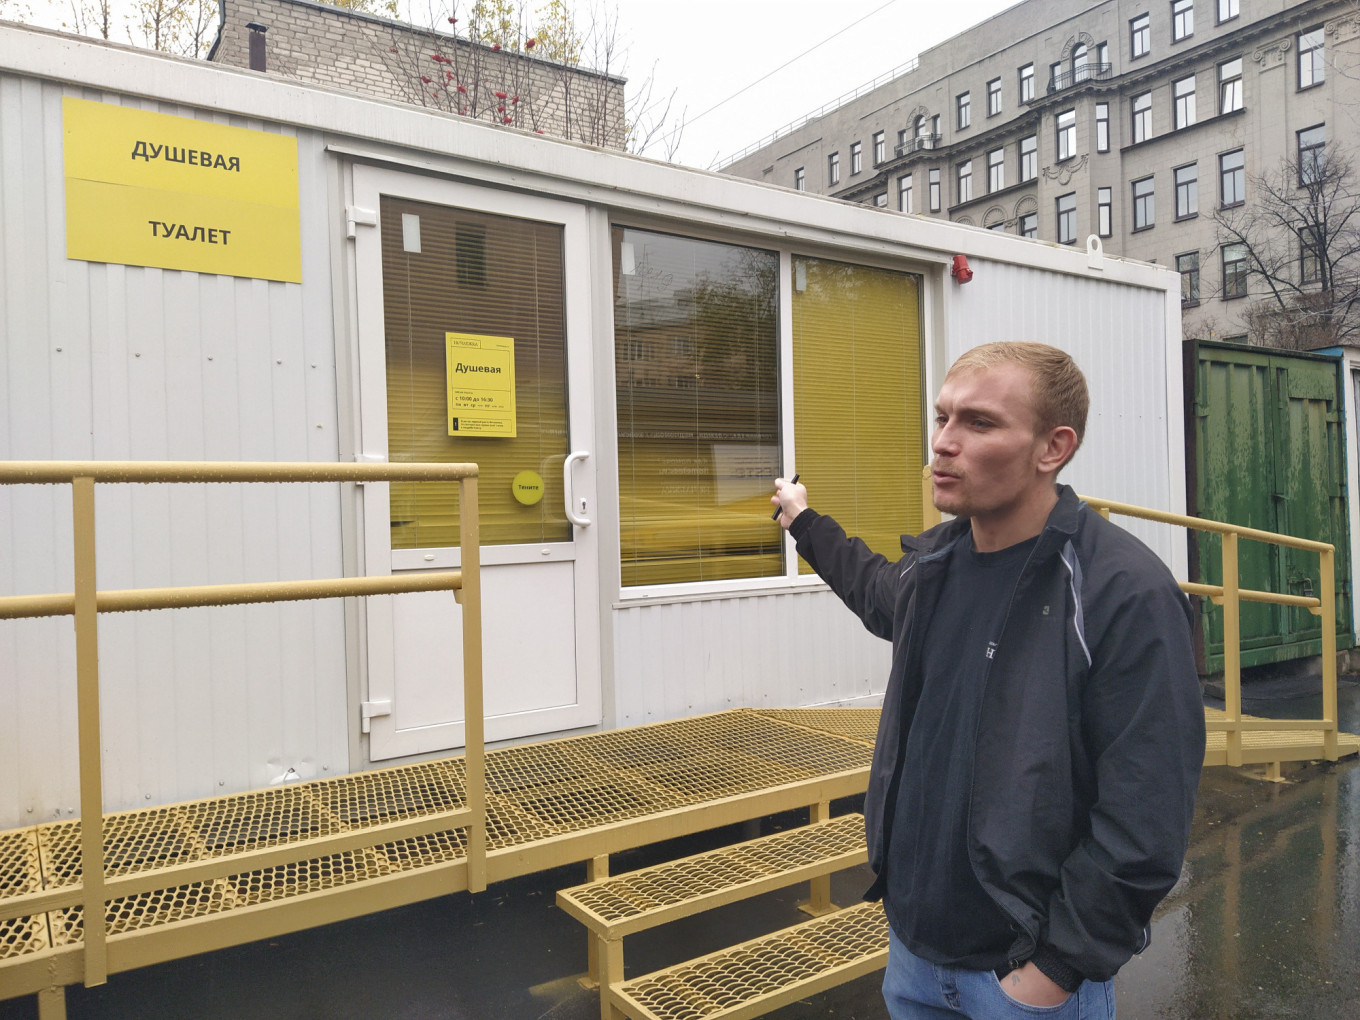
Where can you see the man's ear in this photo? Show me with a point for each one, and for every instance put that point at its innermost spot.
(1058, 449)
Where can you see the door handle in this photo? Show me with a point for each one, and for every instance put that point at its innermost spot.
(578, 519)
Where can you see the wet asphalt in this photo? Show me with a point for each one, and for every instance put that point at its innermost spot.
(1265, 924)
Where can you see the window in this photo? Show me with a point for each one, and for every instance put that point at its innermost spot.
(1234, 270)
(880, 148)
(1232, 179)
(1029, 158)
(881, 200)
(1142, 117)
(1079, 63)
(1183, 93)
(1230, 85)
(1027, 83)
(1311, 69)
(1227, 10)
(800, 179)
(933, 178)
(1312, 153)
(904, 193)
(996, 170)
(833, 168)
(1067, 134)
(965, 179)
(1140, 36)
(1054, 76)
(679, 485)
(925, 133)
(993, 97)
(1182, 19)
(964, 105)
(1103, 56)
(1310, 256)
(1104, 211)
(1067, 218)
(902, 139)
(1029, 225)
(1188, 266)
(1144, 208)
(1102, 127)
(856, 158)
(1187, 191)
(863, 443)
(998, 225)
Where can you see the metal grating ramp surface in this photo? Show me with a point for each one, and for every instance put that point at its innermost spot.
(856, 723)
(761, 974)
(649, 896)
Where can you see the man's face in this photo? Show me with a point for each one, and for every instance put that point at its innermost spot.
(985, 452)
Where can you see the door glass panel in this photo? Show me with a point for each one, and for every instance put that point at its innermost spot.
(857, 398)
(696, 362)
(495, 283)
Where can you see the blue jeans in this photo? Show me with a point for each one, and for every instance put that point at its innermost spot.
(915, 989)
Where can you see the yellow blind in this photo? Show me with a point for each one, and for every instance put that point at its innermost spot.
(696, 345)
(490, 276)
(857, 398)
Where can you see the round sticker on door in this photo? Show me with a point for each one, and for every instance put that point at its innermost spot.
(527, 487)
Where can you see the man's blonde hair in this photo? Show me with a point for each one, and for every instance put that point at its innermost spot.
(1059, 395)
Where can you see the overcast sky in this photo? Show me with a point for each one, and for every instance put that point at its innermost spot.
(780, 59)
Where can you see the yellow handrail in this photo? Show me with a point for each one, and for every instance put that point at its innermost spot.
(86, 602)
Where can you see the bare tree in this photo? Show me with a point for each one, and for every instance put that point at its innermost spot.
(183, 27)
(1300, 239)
(90, 17)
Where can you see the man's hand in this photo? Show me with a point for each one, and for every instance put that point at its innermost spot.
(791, 500)
(1031, 986)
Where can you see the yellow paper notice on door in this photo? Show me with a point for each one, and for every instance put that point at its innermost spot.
(481, 384)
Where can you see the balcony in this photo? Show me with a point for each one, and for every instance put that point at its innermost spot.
(1079, 76)
(916, 144)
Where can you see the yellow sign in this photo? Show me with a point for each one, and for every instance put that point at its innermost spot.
(481, 384)
(527, 487)
(150, 189)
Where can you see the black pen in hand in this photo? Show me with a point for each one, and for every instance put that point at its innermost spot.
(780, 510)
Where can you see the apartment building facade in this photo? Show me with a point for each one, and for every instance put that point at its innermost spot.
(1136, 121)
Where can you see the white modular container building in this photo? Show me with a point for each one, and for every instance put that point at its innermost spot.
(631, 350)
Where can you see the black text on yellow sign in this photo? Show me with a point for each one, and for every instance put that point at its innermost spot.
(481, 384)
(151, 189)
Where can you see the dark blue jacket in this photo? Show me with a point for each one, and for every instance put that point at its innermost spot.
(1090, 737)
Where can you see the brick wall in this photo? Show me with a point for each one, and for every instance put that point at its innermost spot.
(328, 45)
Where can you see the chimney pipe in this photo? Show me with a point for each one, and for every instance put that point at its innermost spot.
(257, 31)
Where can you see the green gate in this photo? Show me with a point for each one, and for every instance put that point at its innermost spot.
(1266, 451)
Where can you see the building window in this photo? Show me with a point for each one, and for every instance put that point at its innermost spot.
(1310, 257)
(1140, 36)
(1103, 56)
(1187, 191)
(1142, 117)
(1188, 266)
(1027, 83)
(998, 225)
(964, 105)
(1227, 10)
(1234, 270)
(1312, 153)
(1183, 93)
(996, 170)
(1144, 208)
(1182, 19)
(904, 193)
(902, 138)
(833, 168)
(965, 179)
(993, 97)
(933, 179)
(1102, 127)
(1230, 85)
(881, 200)
(856, 158)
(1067, 218)
(800, 179)
(880, 148)
(1232, 179)
(1311, 69)
(1029, 225)
(1079, 64)
(1067, 134)
(1104, 211)
(1054, 76)
(1029, 158)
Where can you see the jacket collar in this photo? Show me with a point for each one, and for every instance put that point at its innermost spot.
(1062, 524)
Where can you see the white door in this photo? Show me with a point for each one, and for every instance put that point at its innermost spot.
(474, 336)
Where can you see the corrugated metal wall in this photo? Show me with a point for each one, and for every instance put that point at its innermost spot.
(112, 362)
(1117, 334)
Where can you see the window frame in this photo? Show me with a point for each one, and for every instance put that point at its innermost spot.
(1141, 106)
(1067, 217)
(1144, 203)
(1183, 103)
(1105, 212)
(963, 110)
(1026, 74)
(1182, 19)
(1230, 85)
(1189, 274)
(1317, 69)
(1238, 175)
(904, 190)
(1240, 271)
(963, 181)
(856, 158)
(880, 148)
(1189, 187)
(800, 179)
(1102, 127)
(1066, 133)
(1140, 36)
(880, 200)
(1029, 158)
(1030, 220)
(1304, 249)
(833, 168)
(994, 97)
(1233, 7)
(934, 187)
(996, 170)
(1318, 161)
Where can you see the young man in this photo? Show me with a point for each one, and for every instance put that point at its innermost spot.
(1042, 732)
